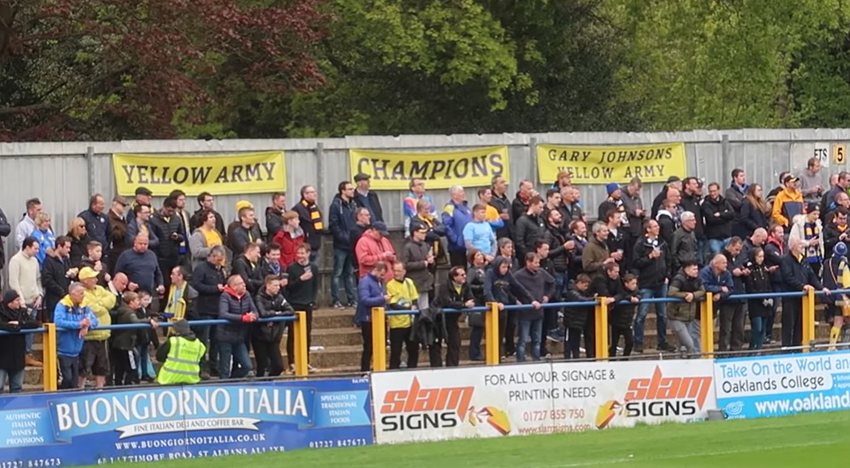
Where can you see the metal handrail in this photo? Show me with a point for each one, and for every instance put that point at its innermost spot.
(652, 300)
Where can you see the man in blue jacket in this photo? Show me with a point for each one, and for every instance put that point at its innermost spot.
(341, 222)
(372, 294)
(456, 215)
(719, 281)
(73, 321)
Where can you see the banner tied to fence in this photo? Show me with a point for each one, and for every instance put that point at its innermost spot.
(222, 174)
(603, 164)
(394, 170)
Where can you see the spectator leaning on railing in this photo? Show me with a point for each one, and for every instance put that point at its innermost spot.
(13, 318)
(73, 321)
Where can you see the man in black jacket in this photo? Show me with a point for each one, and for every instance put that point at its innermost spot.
(274, 214)
(692, 201)
(208, 279)
(341, 222)
(247, 266)
(529, 227)
(266, 336)
(500, 202)
(56, 275)
(246, 232)
(5, 230)
(311, 219)
(718, 219)
(168, 228)
(13, 317)
(367, 198)
(651, 264)
(540, 286)
(797, 275)
(301, 292)
(97, 221)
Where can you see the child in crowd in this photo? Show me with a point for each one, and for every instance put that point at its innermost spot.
(576, 317)
(622, 316)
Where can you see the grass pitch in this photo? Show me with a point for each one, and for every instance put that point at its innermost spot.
(814, 440)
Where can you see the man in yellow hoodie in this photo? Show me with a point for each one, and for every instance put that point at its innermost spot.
(788, 202)
(403, 296)
(95, 351)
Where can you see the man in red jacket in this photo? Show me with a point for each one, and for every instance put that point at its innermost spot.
(373, 247)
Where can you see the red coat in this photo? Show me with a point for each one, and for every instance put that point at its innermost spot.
(288, 246)
(369, 251)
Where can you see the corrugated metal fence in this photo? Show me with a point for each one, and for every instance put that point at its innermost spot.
(63, 175)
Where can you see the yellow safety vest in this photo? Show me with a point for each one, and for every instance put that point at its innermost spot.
(183, 363)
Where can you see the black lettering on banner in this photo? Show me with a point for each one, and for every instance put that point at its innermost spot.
(419, 170)
(200, 174)
(379, 166)
(459, 172)
(252, 172)
(181, 174)
(269, 167)
(398, 171)
(237, 174)
(222, 176)
(362, 165)
(143, 176)
(128, 170)
(496, 162)
(438, 167)
(479, 166)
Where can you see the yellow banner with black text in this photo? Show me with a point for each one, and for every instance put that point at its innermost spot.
(220, 174)
(394, 170)
(604, 164)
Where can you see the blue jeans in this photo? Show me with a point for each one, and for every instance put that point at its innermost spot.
(757, 332)
(343, 273)
(660, 315)
(239, 353)
(715, 246)
(16, 380)
(532, 329)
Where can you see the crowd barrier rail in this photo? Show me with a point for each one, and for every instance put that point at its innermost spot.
(708, 305)
(50, 360)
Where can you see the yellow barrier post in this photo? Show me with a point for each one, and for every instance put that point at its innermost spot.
(602, 328)
(707, 325)
(808, 319)
(379, 339)
(301, 351)
(49, 359)
(491, 334)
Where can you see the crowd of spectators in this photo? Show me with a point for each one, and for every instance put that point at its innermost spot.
(132, 262)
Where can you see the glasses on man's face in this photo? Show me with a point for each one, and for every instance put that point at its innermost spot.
(460, 274)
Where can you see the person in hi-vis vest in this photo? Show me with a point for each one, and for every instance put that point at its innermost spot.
(180, 356)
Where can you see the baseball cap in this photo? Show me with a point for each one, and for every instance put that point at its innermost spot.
(789, 177)
(144, 191)
(362, 176)
(120, 199)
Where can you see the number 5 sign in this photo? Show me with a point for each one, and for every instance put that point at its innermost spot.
(839, 153)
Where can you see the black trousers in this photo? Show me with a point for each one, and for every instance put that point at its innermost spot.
(125, 367)
(572, 348)
(267, 354)
(732, 321)
(792, 322)
(366, 356)
(628, 337)
(435, 351)
(508, 330)
(290, 334)
(590, 334)
(457, 258)
(402, 337)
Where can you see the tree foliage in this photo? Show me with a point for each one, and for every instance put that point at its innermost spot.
(146, 68)
(118, 69)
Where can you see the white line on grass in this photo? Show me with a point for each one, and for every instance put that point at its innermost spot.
(759, 448)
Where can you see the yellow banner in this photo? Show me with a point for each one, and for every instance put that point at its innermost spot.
(220, 174)
(604, 164)
(393, 170)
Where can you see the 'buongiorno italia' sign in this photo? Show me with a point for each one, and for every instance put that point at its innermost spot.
(162, 423)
